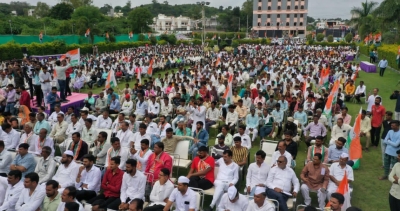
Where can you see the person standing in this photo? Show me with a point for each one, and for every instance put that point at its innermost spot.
(386, 127)
(38, 87)
(382, 66)
(378, 114)
(392, 142)
(396, 96)
(61, 77)
(394, 193)
(45, 86)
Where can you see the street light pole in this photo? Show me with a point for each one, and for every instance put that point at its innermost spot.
(203, 14)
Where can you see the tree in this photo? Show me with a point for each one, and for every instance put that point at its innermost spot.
(78, 3)
(139, 19)
(330, 38)
(362, 17)
(127, 8)
(19, 7)
(389, 11)
(310, 19)
(90, 13)
(348, 37)
(105, 9)
(165, 2)
(320, 37)
(221, 8)
(42, 9)
(61, 11)
(5, 8)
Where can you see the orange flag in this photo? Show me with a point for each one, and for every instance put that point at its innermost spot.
(150, 70)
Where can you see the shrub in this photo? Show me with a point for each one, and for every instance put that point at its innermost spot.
(320, 37)
(330, 38)
(348, 37)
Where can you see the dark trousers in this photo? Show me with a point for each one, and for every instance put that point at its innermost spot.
(67, 89)
(347, 98)
(112, 112)
(375, 135)
(61, 84)
(30, 87)
(39, 95)
(381, 71)
(154, 208)
(107, 203)
(3, 175)
(209, 124)
(202, 183)
(85, 195)
(280, 197)
(394, 203)
(358, 96)
(90, 83)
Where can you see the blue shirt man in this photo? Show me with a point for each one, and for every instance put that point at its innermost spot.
(41, 123)
(200, 136)
(53, 99)
(24, 161)
(252, 120)
(301, 116)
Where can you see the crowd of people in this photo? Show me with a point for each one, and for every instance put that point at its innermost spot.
(118, 153)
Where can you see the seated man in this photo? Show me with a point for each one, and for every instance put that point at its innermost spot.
(9, 136)
(241, 110)
(5, 161)
(166, 109)
(228, 175)
(232, 119)
(41, 123)
(212, 116)
(68, 170)
(200, 138)
(228, 138)
(157, 161)
(336, 150)
(89, 133)
(117, 150)
(24, 161)
(88, 180)
(101, 148)
(318, 147)
(219, 148)
(257, 173)
(183, 197)
(239, 152)
(127, 105)
(349, 90)
(180, 113)
(104, 121)
(339, 130)
(41, 141)
(161, 191)
(32, 195)
(59, 128)
(344, 115)
(315, 176)
(142, 155)
(28, 136)
(170, 141)
(280, 181)
(301, 116)
(260, 201)
(46, 165)
(53, 118)
(267, 124)
(78, 147)
(154, 108)
(111, 186)
(337, 172)
(53, 197)
(315, 128)
(125, 135)
(73, 127)
(68, 195)
(252, 122)
(201, 174)
(246, 142)
(14, 190)
(233, 200)
(281, 152)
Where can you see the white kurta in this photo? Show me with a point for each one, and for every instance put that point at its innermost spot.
(199, 114)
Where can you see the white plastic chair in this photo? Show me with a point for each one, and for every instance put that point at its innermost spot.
(182, 149)
(211, 191)
(268, 147)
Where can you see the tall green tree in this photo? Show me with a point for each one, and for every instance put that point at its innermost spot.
(5, 9)
(42, 9)
(362, 17)
(389, 12)
(61, 11)
(139, 19)
(19, 7)
(105, 9)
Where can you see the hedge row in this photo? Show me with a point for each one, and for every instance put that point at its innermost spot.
(13, 50)
(387, 51)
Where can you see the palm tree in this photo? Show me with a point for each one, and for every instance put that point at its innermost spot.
(362, 17)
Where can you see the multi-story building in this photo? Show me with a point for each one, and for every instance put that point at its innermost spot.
(163, 23)
(277, 18)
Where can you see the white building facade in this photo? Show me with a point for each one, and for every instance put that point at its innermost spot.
(163, 23)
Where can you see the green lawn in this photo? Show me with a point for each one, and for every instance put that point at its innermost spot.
(369, 194)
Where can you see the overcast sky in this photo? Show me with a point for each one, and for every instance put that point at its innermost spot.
(316, 8)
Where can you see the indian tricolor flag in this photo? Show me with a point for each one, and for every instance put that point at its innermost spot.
(324, 79)
(353, 142)
(150, 69)
(87, 33)
(228, 92)
(75, 56)
(218, 62)
(305, 88)
(111, 82)
(331, 102)
(343, 189)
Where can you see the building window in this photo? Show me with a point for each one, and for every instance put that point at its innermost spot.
(301, 15)
(288, 7)
(302, 7)
(259, 24)
(269, 0)
(279, 7)
(296, 7)
(301, 23)
(295, 24)
(259, 0)
(268, 15)
(287, 15)
(295, 15)
(259, 16)
(287, 23)
(259, 8)
(268, 24)
(279, 15)
(269, 8)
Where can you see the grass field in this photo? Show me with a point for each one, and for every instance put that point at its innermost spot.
(370, 194)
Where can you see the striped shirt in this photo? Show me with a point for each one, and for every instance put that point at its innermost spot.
(239, 154)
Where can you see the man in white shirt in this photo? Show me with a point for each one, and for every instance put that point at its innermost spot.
(41, 141)
(371, 99)
(161, 191)
(154, 108)
(141, 155)
(360, 91)
(5, 160)
(117, 150)
(68, 195)
(336, 174)
(212, 116)
(68, 170)
(101, 148)
(339, 130)
(116, 126)
(53, 117)
(73, 127)
(89, 133)
(260, 201)
(280, 181)
(133, 184)
(139, 136)
(233, 200)
(125, 136)
(198, 111)
(163, 125)
(185, 199)
(228, 175)
(59, 128)
(127, 106)
(246, 141)
(46, 165)
(28, 136)
(88, 180)
(141, 107)
(14, 189)
(104, 121)
(231, 118)
(281, 152)
(67, 116)
(32, 195)
(9, 136)
(257, 173)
